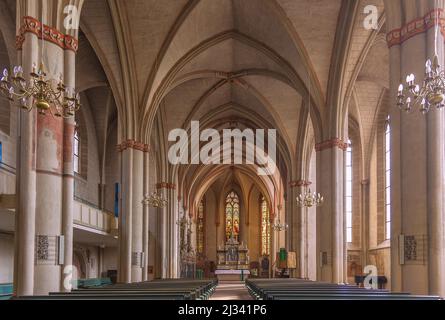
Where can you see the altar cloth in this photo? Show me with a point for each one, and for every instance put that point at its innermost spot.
(233, 271)
(232, 275)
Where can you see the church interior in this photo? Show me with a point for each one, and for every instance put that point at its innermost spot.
(113, 175)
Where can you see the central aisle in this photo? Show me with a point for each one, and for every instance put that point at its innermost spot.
(231, 290)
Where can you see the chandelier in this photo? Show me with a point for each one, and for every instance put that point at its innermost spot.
(431, 93)
(279, 226)
(155, 200)
(60, 100)
(309, 199)
(182, 223)
(46, 94)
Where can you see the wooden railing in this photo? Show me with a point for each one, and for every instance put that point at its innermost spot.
(84, 213)
(92, 217)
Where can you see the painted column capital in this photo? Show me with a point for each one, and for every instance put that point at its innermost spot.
(33, 25)
(133, 144)
(331, 143)
(166, 185)
(417, 26)
(300, 183)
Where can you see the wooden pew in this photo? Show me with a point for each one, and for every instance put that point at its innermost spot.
(174, 289)
(295, 289)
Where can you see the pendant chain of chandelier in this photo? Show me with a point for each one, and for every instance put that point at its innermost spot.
(308, 199)
(431, 92)
(39, 91)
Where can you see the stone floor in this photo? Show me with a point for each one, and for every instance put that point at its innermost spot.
(231, 290)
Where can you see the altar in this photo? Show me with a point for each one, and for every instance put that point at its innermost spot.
(233, 261)
(232, 275)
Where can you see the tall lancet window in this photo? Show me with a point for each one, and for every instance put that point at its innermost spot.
(200, 228)
(76, 151)
(232, 216)
(265, 228)
(348, 194)
(388, 179)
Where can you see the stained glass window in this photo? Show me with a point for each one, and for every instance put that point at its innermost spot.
(232, 216)
(200, 228)
(265, 228)
(76, 152)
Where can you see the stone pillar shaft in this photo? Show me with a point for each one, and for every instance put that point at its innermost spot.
(435, 185)
(417, 191)
(68, 173)
(26, 185)
(125, 216)
(145, 220)
(330, 216)
(137, 215)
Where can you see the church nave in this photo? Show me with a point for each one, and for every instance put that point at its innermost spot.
(222, 149)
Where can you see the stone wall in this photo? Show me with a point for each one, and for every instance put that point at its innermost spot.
(6, 257)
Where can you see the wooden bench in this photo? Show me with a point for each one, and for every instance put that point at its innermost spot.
(295, 289)
(151, 290)
(93, 282)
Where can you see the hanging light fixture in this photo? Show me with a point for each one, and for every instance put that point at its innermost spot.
(46, 94)
(309, 199)
(431, 93)
(155, 200)
(60, 101)
(279, 226)
(182, 223)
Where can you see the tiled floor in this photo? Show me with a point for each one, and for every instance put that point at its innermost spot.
(231, 290)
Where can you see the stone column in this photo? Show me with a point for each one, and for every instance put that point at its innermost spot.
(413, 169)
(145, 219)
(68, 173)
(301, 232)
(26, 184)
(396, 177)
(163, 212)
(137, 215)
(50, 192)
(297, 227)
(131, 218)
(365, 220)
(435, 185)
(170, 252)
(330, 221)
(289, 242)
(125, 216)
(174, 243)
(417, 192)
